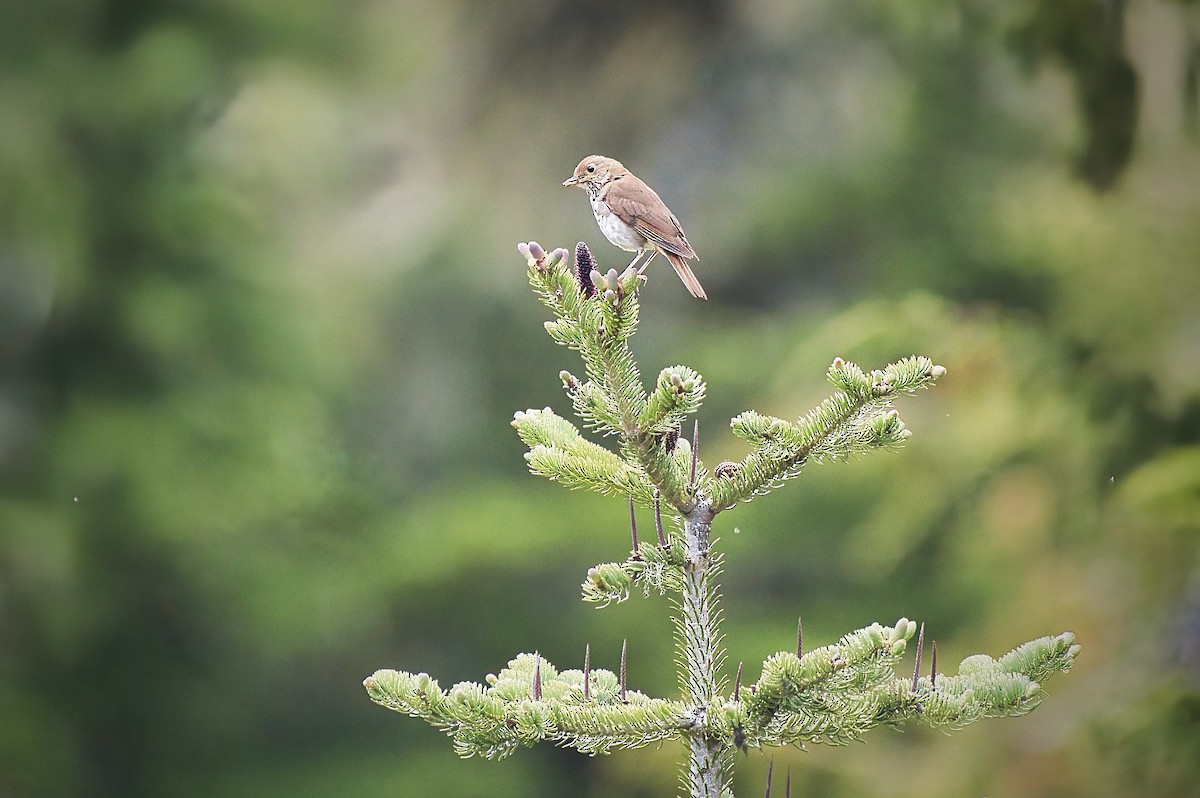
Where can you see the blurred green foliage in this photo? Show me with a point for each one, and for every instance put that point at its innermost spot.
(262, 328)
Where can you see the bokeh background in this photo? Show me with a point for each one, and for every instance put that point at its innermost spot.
(263, 326)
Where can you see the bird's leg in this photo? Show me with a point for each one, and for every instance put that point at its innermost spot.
(636, 258)
(642, 268)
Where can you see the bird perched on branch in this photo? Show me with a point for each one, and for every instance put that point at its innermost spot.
(633, 217)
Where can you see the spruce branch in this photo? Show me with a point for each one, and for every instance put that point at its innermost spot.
(678, 393)
(836, 693)
(613, 399)
(592, 404)
(855, 419)
(559, 452)
(493, 720)
(655, 568)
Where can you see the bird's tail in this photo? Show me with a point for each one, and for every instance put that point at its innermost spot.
(685, 273)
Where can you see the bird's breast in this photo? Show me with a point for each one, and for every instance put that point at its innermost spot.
(616, 231)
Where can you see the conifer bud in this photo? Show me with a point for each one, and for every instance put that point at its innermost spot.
(725, 469)
(630, 279)
(585, 269)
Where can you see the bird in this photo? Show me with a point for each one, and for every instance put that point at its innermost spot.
(633, 217)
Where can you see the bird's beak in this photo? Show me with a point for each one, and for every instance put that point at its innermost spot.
(571, 181)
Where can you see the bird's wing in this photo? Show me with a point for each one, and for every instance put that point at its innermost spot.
(653, 220)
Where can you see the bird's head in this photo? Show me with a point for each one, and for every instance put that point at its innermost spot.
(594, 171)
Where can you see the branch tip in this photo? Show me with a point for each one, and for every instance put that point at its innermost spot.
(799, 636)
(587, 671)
(933, 666)
(624, 653)
(633, 531)
(920, 648)
(695, 453)
(662, 538)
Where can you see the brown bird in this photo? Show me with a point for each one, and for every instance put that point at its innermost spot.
(632, 216)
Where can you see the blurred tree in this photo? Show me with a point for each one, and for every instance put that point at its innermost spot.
(1088, 36)
(161, 404)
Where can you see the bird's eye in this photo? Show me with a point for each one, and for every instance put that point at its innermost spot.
(591, 167)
